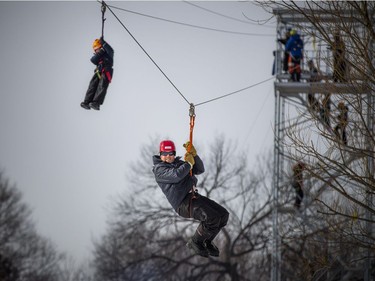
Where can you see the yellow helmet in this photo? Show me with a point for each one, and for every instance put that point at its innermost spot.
(292, 32)
(96, 44)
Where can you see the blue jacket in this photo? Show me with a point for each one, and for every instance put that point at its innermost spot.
(174, 178)
(295, 46)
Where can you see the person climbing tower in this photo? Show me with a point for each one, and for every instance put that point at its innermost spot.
(325, 111)
(297, 182)
(97, 90)
(342, 122)
(178, 184)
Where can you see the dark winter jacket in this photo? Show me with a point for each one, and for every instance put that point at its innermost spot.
(295, 46)
(104, 58)
(174, 178)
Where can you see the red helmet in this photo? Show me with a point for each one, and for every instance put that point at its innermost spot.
(167, 146)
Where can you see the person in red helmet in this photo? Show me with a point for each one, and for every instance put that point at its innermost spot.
(173, 176)
(97, 90)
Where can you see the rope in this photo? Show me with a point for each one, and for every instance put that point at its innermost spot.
(174, 86)
(103, 19)
(235, 92)
(192, 122)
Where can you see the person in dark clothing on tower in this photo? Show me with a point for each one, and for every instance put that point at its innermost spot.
(314, 77)
(173, 176)
(97, 90)
(342, 122)
(286, 53)
(297, 183)
(339, 60)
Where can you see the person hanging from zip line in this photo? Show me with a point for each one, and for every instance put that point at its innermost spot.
(97, 90)
(295, 47)
(297, 183)
(177, 180)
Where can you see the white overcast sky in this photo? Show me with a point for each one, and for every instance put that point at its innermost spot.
(69, 163)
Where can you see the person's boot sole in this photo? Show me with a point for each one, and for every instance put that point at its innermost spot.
(85, 106)
(191, 245)
(215, 252)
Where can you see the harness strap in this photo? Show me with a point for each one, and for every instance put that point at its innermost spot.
(108, 75)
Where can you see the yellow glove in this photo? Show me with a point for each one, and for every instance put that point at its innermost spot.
(190, 159)
(193, 151)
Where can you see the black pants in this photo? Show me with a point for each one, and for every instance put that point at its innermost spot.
(211, 215)
(97, 89)
(285, 62)
(295, 69)
(299, 194)
(341, 133)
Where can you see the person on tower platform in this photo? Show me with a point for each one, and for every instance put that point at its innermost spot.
(295, 48)
(286, 53)
(339, 60)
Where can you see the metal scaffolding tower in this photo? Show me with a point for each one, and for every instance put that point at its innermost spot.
(289, 94)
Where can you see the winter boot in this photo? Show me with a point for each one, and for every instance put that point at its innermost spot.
(197, 246)
(85, 105)
(211, 248)
(95, 105)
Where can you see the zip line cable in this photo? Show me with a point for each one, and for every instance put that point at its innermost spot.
(264, 21)
(190, 25)
(225, 16)
(190, 104)
(174, 86)
(235, 92)
(258, 114)
(167, 76)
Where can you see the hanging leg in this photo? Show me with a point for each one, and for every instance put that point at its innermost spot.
(90, 93)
